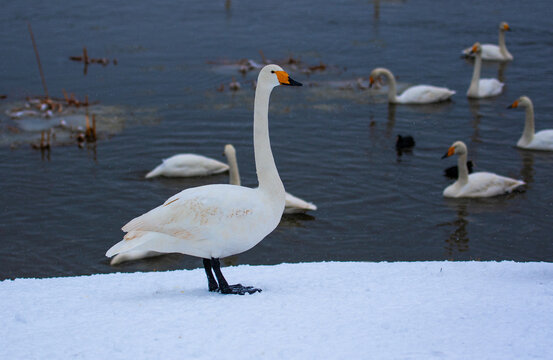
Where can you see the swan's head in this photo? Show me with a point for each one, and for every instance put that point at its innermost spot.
(375, 75)
(273, 75)
(476, 48)
(504, 26)
(458, 147)
(521, 101)
(230, 151)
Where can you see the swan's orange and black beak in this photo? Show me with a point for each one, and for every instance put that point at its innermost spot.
(285, 79)
(513, 105)
(371, 81)
(507, 27)
(474, 49)
(449, 152)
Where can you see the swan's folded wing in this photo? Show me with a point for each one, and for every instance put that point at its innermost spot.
(200, 209)
(484, 184)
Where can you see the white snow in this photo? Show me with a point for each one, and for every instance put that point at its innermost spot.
(407, 310)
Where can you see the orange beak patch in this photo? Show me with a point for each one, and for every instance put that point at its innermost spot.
(283, 77)
(513, 105)
(449, 152)
(474, 48)
(506, 27)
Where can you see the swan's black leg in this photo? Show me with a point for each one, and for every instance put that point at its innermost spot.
(224, 287)
(210, 278)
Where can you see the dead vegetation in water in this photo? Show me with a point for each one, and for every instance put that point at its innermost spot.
(86, 60)
(245, 66)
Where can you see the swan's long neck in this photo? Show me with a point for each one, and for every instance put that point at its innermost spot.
(267, 173)
(392, 91)
(502, 47)
(528, 133)
(473, 88)
(463, 169)
(234, 174)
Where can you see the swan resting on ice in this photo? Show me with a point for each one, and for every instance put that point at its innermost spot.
(478, 184)
(215, 221)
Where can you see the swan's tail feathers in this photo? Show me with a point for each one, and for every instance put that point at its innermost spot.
(156, 172)
(129, 242)
(516, 185)
(133, 255)
(143, 241)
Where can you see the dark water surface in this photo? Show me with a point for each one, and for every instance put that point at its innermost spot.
(60, 213)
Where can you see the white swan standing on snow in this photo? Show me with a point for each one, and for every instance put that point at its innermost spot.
(215, 221)
(186, 165)
(542, 140)
(481, 88)
(419, 94)
(292, 205)
(494, 52)
(478, 184)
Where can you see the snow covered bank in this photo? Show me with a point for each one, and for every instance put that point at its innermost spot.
(416, 310)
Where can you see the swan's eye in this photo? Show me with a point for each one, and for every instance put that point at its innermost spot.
(272, 71)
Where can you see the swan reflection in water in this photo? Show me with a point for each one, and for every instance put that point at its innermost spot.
(458, 240)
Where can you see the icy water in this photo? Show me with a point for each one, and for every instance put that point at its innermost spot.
(60, 211)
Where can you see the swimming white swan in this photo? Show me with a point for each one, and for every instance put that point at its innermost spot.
(481, 88)
(494, 52)
(292, 205)
(419, 94)
(185, 165)
(478, 184)
(215, 221)
(542, 140)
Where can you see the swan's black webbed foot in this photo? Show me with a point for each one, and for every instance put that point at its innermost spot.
(223, 286)
(239, 289)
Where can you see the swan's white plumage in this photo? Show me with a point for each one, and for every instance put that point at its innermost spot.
(482, 88)
(482, 184)
(494, 52)
(478, 184)
(185, 165)
(293, 204)
(541, 140)
(419, 94)
(216, 221)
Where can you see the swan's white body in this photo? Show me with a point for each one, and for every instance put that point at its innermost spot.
(478, 184)
(541, 140)
(186, 165)
(494, 52)
(419, 94)
(482, 88)
(292, 205)
(215, 221)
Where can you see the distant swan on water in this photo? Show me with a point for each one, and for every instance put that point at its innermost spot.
(478, 184)
(494, 52)
(215, 221)
(418, 94)
(188, 165)
(481, 88)
(542, 140)
(293, 205)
